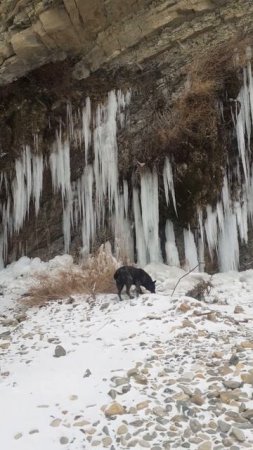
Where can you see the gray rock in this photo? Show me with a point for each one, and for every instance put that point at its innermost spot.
(137, 423)
(207, 445)
(59, 351)
(223, 426)
(112, 393)
(248, 414)
(118, 381)
(195, 425)
(21, 317)
(87, 373)
(144, 444)
(233, 360)
(105, 429)
(231, 384)
(126, 388)
(9, 322)
(238, 434)
(149, 436)
(159, 411)
(63, 440)
(227, 442)
(104, 306)
(5, 334)
(34, 431)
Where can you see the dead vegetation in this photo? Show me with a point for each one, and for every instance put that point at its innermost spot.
(200, 291)
(93, 277)
(195, 131)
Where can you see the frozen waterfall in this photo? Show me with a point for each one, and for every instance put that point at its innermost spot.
(98, 199)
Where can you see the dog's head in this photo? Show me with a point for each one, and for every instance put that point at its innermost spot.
(151, 286)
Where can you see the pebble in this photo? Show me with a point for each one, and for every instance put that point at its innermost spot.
(159, 411)
(144, 444)
(122, 429)
(80, 423)
(55, 423)
(238, 434)
(118, 381)
(59, 351)
(195, 425)
(105, 429)
(207, 445)
(197, 399)
(106, 441)
(18, 436)
(132, 443)
(223, 426)
(234, 360)
(142, 405)
(231, 384)
(63, 440)
(114, 409)
(247, 378)
(140, 379)
(112, 393)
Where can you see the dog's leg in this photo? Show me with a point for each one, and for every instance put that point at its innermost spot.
(138, 288)
(128, 285)
(120, 286)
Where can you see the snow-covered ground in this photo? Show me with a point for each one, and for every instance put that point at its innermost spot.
(158, 372)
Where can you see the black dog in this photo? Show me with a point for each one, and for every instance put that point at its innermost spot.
(128, 275)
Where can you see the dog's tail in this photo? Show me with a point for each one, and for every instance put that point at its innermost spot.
(115, 276)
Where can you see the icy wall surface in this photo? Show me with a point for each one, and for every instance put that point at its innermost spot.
(99, 199)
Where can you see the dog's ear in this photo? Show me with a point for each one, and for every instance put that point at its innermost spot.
(154, 282)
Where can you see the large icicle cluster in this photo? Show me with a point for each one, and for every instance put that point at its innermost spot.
(25, 186)
(96, 195)
(98, 198)
(227, 224)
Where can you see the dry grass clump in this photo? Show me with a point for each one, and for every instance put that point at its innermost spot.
(195, 133)
(93, 277)
(200, 291)
(211, 77)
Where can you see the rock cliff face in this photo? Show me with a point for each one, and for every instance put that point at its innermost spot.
(56, 54)
(112, 33)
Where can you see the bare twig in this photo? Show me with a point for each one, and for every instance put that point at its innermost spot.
(178, 281)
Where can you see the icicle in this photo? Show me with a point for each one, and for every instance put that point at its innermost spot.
(125, 194)
(242, 125)
(67, 221)
(169, 183)
(150, 214)
(106, 155)
(60, 170)
(124, 245)
(250, 89)
(242, 220)
(201, 254)
(37, 180)
(191, 256)
(200, 221)
(22, 188)
(172, 257)
(228, 246)
(60, 166)
(88, 213)
(86, 119)
(139, 234)
(211, 229)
